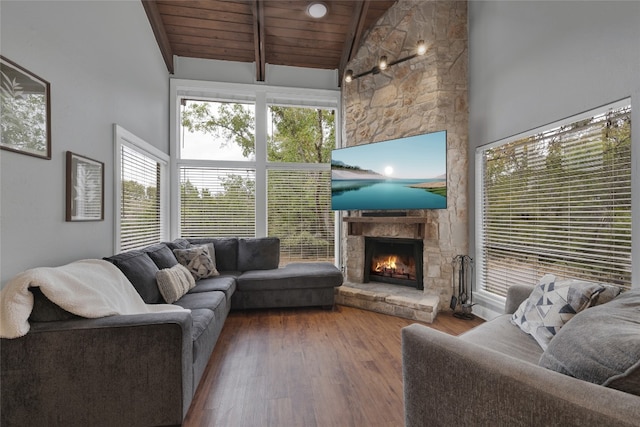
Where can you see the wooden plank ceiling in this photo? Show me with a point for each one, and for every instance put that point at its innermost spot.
(278, 32)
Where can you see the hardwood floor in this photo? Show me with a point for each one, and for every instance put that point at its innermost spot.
(307, 367)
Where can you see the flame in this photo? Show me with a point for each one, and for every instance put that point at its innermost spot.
(389, 263)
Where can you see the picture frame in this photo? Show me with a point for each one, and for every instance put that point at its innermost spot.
(25, 111)
(85, 188)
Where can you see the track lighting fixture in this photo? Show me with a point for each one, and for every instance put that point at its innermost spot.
(383, 64)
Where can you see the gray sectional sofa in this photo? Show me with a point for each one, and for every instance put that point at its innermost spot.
(498, 375)
(143, 369)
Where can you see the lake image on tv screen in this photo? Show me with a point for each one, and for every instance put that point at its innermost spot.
(404, 173)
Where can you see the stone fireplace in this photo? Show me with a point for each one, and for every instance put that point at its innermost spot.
(424, 94)
(398, 292)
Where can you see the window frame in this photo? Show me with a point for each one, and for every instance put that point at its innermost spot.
(122, 137)
(261, 96)
(489, 301)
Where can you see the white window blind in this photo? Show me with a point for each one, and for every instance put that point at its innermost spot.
(558, 201)
(217, 202)
(299, 212)
(140, 207)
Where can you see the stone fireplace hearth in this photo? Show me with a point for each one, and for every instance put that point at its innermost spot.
(393, 298)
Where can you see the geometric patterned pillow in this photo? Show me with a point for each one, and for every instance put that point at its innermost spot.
(174, 282)
(552, 304)
(198, 261)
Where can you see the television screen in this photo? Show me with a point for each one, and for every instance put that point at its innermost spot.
(403, 173)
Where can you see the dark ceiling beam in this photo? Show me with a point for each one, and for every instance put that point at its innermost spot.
(354, 34)
(153, 14)
(258, 37)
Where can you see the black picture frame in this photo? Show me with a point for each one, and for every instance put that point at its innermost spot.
(25, 112)
(85, 188)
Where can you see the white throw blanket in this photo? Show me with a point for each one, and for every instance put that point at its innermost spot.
(89, 288)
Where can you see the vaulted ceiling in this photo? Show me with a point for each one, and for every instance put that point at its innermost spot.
(278, 32)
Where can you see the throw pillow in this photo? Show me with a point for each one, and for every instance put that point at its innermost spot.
(551, 305)
(608, 294)
(174, 282)
(601, 345)
(198, 261)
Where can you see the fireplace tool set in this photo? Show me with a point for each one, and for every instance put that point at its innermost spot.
(463, 269)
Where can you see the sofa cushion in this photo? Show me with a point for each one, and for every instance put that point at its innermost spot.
(222, 283)
(551, 304)
(46, 311)
(202, 319)
(601, 345)
(161, 255)
(141, 272)
(197, 261)
(258, 253)
(174, 282)
(501, 335)
(226, 251)
(178, 244)
(303, 275)
(210, 300)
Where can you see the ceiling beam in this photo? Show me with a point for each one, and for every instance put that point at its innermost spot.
(153, 14)
(354, 34)
(258, 38)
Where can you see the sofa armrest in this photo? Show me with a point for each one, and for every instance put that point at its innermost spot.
(118, 370)
(516, 294)
(448, 381)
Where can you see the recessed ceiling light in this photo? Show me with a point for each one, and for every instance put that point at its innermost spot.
(317, 10)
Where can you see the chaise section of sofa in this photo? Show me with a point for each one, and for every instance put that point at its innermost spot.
(261, 283)
(294, 285)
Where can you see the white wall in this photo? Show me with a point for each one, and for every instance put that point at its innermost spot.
(104, 67)
(242, 72)
(535, 62)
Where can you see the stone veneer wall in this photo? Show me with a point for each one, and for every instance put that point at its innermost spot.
(424, 94)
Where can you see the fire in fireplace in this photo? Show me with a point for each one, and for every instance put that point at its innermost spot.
(394, 266)
(395, 261)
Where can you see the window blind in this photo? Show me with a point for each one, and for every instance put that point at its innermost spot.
(559, 202)
(140, 221)
(217, 202)
(299, 213)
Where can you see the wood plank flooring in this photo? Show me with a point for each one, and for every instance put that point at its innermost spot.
(307, 368)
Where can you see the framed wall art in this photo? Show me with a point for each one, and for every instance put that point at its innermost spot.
(85, 188)
(25, 113)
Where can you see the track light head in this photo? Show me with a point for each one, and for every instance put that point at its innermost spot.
(383, 64)
(421, 48)
(348, 77)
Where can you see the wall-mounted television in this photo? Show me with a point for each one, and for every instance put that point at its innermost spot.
(398, 174)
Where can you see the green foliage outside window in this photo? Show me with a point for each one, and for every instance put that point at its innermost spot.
(560, 201)
(298, 199)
